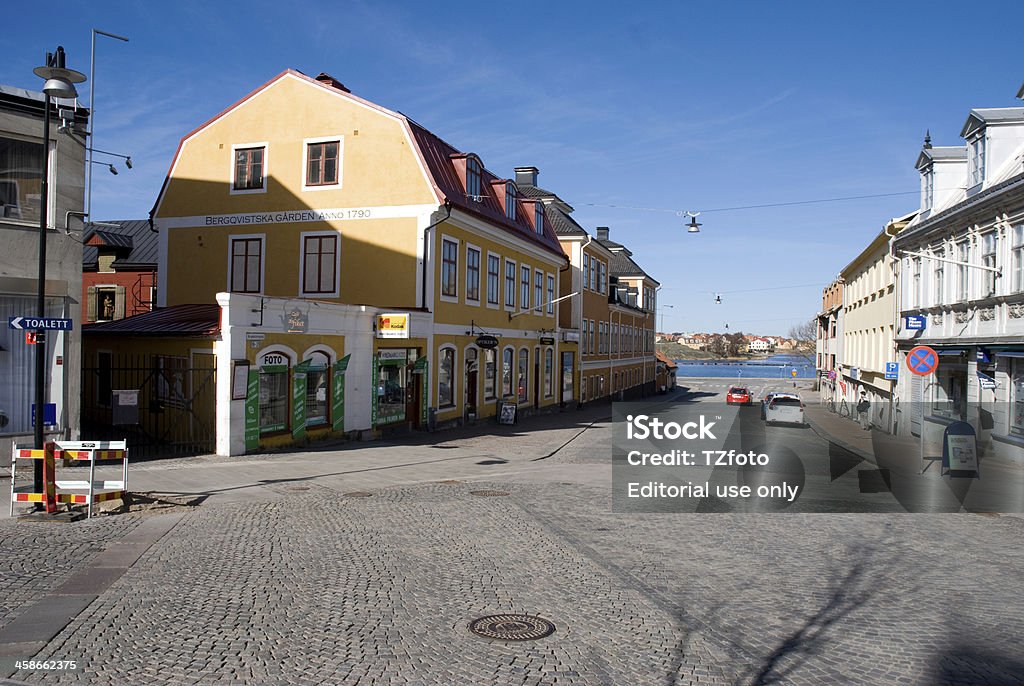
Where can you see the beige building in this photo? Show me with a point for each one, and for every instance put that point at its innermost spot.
(869, 318)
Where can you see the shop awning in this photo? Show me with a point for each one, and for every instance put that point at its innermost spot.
(1010, 353)
(950, 351)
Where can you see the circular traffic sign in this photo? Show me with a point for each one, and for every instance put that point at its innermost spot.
(922, 360)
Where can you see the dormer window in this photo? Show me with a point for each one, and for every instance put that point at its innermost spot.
(538, 218)
(928, 190)
(510, 200)
(473, 176)
(977, 160)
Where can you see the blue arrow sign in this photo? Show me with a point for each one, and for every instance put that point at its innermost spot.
(36, 323)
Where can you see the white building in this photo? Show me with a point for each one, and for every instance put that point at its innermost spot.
(962, 280)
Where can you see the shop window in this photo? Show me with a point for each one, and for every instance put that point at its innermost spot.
(489, 374)
(549, 372)
(274, 394)
(949, 391)
(506, 372)
(446, 377)
(392, 382)
(317, 389)
(524, 375)
(1017, 402)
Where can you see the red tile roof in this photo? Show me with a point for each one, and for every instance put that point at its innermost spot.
(439, 157)
(662, 357)
(179, 320)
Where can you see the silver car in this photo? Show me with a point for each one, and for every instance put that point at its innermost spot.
(785, 409)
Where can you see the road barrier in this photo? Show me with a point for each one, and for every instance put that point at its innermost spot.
(76, 492)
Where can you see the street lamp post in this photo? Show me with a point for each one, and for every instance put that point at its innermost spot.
(92, 113)
(60, 83)
(671, 307)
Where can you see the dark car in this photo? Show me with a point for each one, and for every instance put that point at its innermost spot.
(737, 395)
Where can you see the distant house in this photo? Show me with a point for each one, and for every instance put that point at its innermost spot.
(665, 371)
(761, 345)
(119, 271)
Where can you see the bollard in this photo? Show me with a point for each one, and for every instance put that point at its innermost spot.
(49, 478)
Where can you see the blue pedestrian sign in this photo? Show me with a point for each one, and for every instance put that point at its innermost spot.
(35, 323)
(892, 370)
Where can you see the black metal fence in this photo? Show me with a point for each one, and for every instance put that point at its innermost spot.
(175, 414)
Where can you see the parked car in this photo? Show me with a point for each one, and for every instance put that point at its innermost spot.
(768, 397)
(785, 409)
(737, 395)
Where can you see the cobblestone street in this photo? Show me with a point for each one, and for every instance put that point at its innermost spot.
(317, 582)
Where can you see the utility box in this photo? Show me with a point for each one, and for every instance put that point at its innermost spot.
(125, 407)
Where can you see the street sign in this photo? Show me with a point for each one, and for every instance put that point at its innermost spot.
(922, 360)
(832, 375)
(39, 323)
(892, 370)
(915, 322)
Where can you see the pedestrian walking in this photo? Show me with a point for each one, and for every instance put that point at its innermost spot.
(863, 408)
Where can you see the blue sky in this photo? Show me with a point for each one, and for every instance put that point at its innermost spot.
(667, 106)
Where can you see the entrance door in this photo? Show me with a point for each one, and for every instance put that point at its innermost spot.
(471, 376)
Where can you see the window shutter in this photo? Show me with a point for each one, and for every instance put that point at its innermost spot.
(90, 304)
(119, 298)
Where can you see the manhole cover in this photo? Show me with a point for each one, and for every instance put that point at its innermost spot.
(357, 494)
(488, 494)
(512, 627)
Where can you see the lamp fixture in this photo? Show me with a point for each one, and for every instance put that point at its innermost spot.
(694, 225)
(718, 298)
(60, 81)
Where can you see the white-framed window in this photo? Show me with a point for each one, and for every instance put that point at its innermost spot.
(963, 253)
(586, 271)
(928, 190)
(538, 217)
(1018, 258)
(473, 273)
(524, 287)
(245, 263)
(446, 376)
(977, 160)
(583, 337)
(989, 245)
(538, 290)
(473, 177)
(20, 164)
(248, 168)
(510, 200)
(1017, 399)
(322, 163)
(321, 264)
(915, 289)
(551, 294)
(510, 284)
(939, 283)
(493, 278)
(449, 268)
(602, 277)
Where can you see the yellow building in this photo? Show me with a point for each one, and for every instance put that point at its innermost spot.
(354, 253)
(612, 315)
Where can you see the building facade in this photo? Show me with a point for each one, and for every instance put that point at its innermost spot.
(829, 343)
(119, 263)
(962, 286)
(355, 254)
(869, 320)
(21, 164)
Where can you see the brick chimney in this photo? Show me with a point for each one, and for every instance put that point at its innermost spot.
(602, 233)
(324, 77)
(526, 176)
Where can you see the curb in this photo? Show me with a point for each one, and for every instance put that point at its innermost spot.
(816, 428)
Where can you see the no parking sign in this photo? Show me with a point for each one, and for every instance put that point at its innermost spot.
(922, 360)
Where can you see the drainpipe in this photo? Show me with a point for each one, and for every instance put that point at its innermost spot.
(423, 280)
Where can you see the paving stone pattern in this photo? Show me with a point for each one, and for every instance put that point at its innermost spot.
(37, 557)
